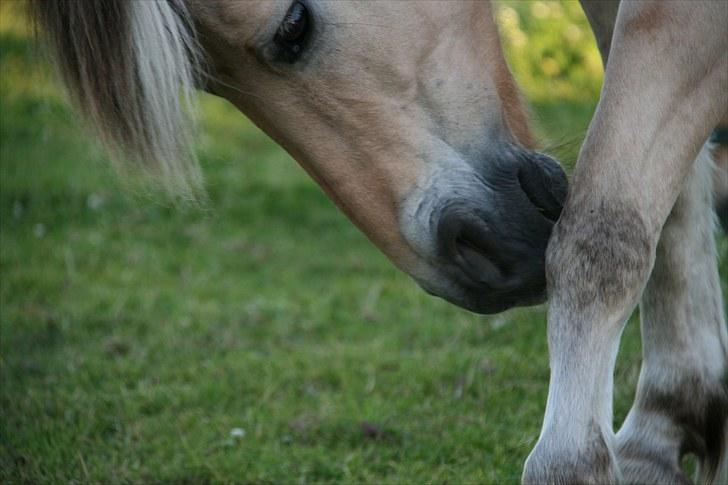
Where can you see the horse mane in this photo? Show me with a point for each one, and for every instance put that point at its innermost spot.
(130, 67)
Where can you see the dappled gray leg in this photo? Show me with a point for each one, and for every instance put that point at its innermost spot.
(682, 396)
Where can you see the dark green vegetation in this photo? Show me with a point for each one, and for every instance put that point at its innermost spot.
(135, 337)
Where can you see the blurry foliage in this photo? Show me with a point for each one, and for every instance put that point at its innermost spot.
(12, 19)
(550, 49)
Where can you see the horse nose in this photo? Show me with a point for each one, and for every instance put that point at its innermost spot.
(490, 229)
(466, 240)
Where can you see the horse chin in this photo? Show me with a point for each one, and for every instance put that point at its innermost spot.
(486, 301)
(481, 298)
(490, 305)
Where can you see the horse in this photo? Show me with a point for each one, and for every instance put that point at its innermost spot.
(407, 116)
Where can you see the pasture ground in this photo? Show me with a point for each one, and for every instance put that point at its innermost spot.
(262, 340)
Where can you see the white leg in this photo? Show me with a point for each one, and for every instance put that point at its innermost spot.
(682, 396)
(665, 81)
(597, 265)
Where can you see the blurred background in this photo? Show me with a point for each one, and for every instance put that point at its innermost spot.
(261, 339)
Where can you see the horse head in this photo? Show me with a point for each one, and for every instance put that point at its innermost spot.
(405, 113)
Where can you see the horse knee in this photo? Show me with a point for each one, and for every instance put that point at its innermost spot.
(599, 254)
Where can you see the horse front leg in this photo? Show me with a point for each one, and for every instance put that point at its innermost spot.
(599, 257)
(682, 396)
(664, 90)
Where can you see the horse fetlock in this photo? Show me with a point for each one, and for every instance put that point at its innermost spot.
(599, 255)
(591, 464)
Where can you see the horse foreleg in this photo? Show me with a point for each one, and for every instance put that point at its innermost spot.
(682, 396)
(598, 259)
(663, 92)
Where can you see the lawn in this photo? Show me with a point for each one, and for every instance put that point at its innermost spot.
(260, 339)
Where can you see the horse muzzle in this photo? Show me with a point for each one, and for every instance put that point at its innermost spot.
(490, 227)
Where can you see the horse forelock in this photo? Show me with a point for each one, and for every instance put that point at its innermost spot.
(130, 68)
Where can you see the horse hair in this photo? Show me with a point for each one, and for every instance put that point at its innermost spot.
(131, 68)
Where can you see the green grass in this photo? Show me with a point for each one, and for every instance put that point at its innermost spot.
(135, 337)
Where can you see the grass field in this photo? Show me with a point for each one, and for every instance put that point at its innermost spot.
(262, 340)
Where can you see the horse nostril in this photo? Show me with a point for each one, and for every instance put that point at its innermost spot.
(544, 183)
(466, 240)
(477, 263)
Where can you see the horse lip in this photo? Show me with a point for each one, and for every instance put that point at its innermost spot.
(487, 268)
(498, 302)
(476, 265)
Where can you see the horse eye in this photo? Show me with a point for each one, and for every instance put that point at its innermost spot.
(292, 32)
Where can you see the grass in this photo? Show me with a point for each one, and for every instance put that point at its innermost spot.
(262, 340)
